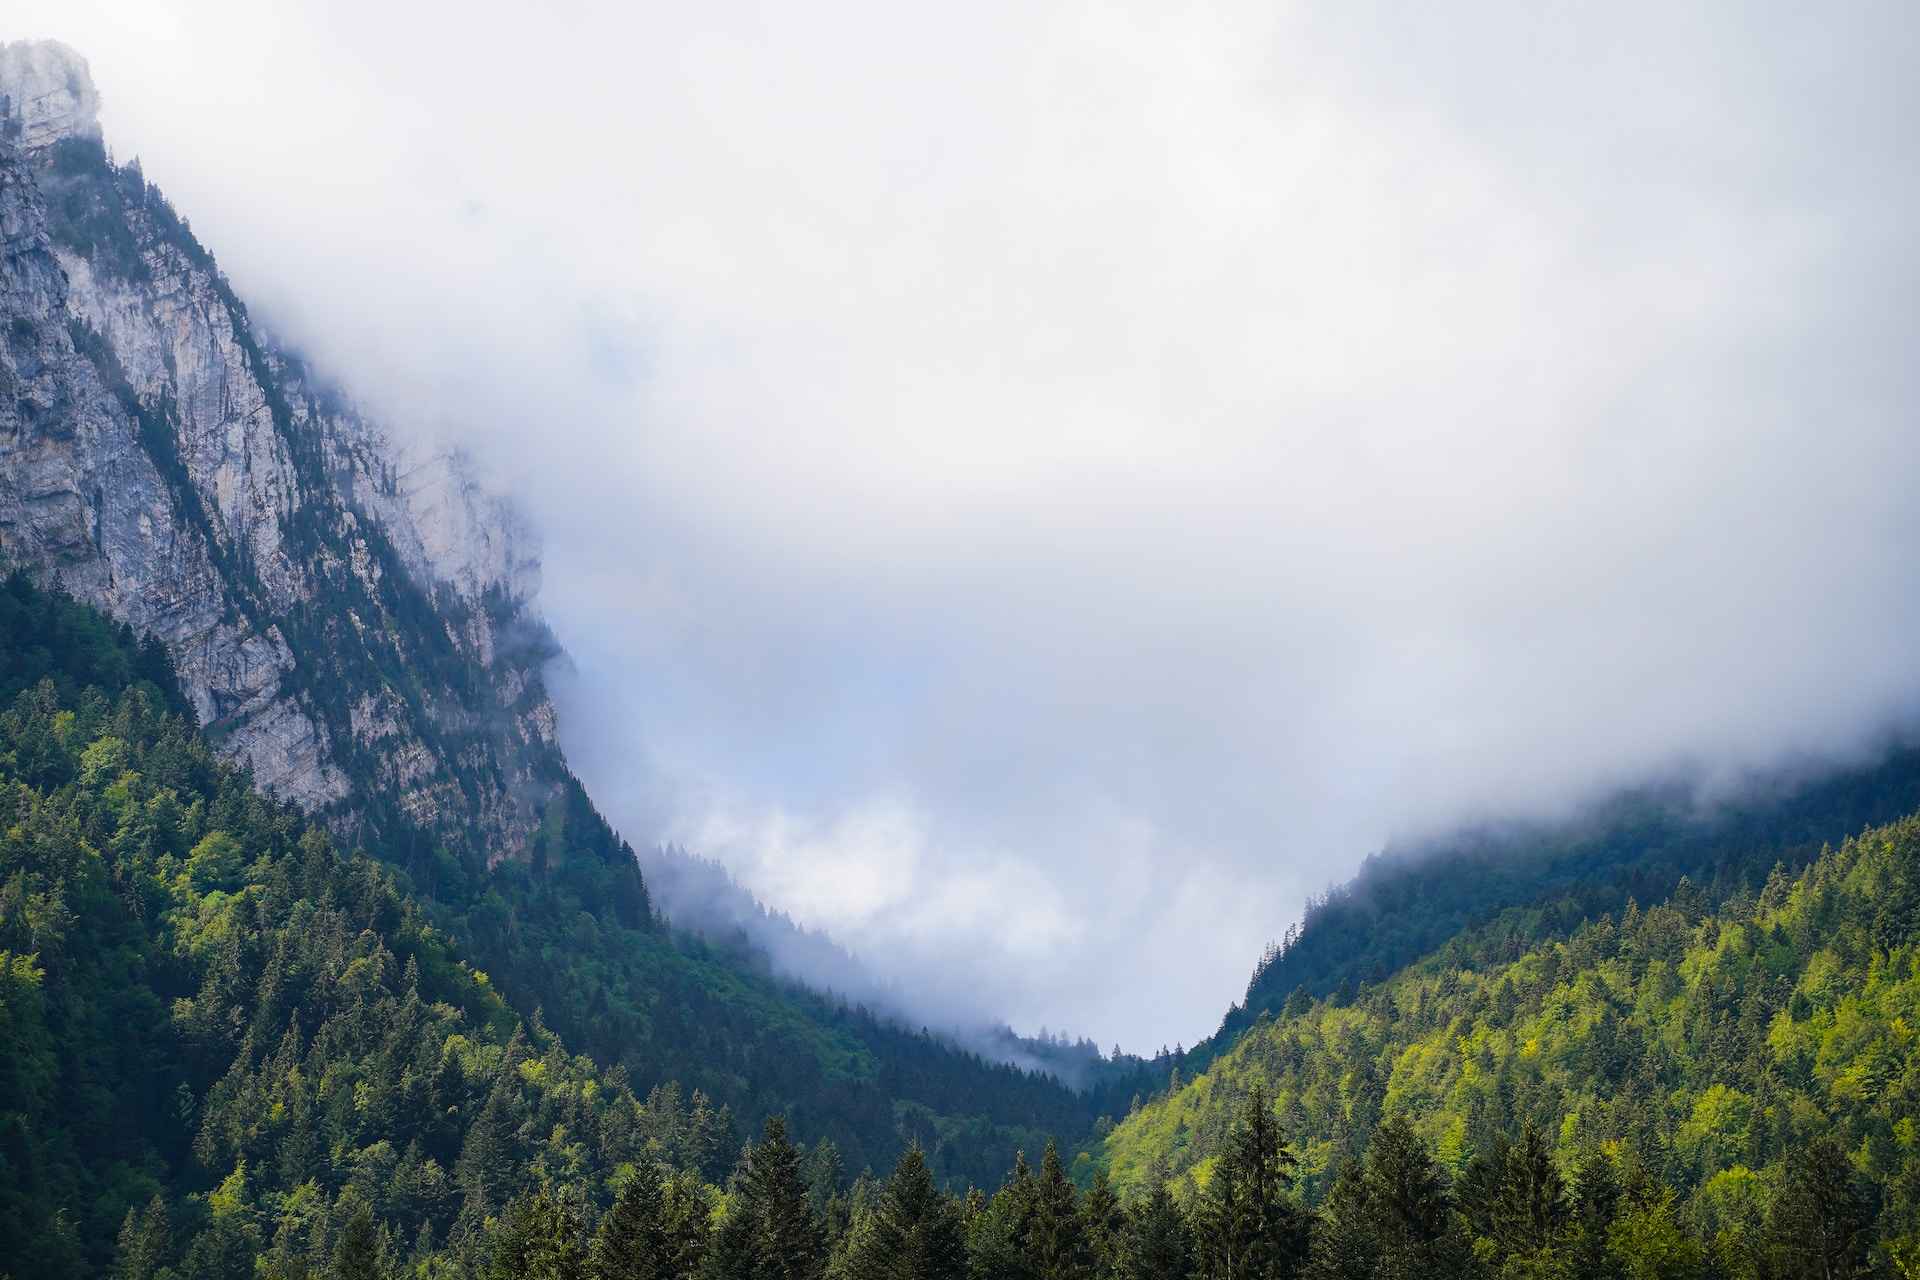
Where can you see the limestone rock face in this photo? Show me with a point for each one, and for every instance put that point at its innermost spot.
(50, 91)
(350, 615)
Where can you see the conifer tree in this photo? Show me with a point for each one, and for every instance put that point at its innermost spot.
(357, 1254)
(145, 1242)
(539, 1239)
(1530, 1209)
(998, 1231)
(1412, 1208)
(1056, 1242)
(1821, 1226)
(1249, 1225)
(1157, 1244)
(1104, 1224)
(789, 1243)
(913, 1232)
(632, 1243)
(1345, 1245)
(685, 1215)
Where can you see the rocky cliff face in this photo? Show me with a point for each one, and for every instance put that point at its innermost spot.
(350, 617)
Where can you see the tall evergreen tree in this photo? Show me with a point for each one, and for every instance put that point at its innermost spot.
(1821, 1227)
(789, 1242)
(1249, 1226)
(1104, 1224)
(539, 1239)
(1056, 1241)
(145, 1243)
(632, 1242)
(912, 1233)
(358, 1253)
(1157, 1244)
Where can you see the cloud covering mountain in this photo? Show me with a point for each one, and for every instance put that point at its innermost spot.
(1036, 493)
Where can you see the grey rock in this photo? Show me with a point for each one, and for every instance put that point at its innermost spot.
(350, 615)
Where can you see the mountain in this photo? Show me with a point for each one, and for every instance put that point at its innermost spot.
(231, 1051)
(1497, 888)
(316, 959)
(350, 621)
(1717, 1047)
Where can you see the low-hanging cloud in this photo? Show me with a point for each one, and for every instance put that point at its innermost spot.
(1038, 490)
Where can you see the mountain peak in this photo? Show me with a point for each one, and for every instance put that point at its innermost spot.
(46, 94)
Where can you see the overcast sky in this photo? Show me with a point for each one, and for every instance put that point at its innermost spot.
(1039, 489)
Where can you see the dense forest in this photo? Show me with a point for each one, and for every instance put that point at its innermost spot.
(565, 927)
(1718, 1056)
(233, 1050)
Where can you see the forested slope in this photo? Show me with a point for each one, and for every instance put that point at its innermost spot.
(203, 1000)
(1714, 1049)
(365, 640)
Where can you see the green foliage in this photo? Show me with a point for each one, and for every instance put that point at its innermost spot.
(1710, 1051)
(913, 1233)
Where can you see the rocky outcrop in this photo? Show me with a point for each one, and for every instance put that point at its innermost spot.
(349, 616)
(50, 92)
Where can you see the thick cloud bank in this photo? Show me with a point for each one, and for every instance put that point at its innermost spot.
(1037, 490)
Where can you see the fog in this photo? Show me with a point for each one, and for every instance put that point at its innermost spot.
(1035, 491)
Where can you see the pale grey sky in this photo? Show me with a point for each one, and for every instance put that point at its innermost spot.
(1037, 490)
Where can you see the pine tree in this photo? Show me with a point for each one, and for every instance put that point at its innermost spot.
(358, 1253)
(1157, 1244)
(145, 1242)
(1409, 1210)
(1821, 1225)
(913, 1232)
(1345, 1244)
(539, 1239)
(997, 1232)
(1104, 1223)
(1530, 1211)
(1249, 1225)
(685, 1216)
(1055, 1242)
(789, 1243)
(632, 1243)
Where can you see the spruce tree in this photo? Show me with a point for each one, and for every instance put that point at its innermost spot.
(632, 1242)
(789, 1243)
(1103, 1223)
(539, 1239)
(1248, 1225)
(1346, 1245)
(1158, 1244)
(1055, 1242)
(357, 1254)
(913, 1232)
(997, 1232)
(1409, 1210)
(1822, 1225)
(145, 1242)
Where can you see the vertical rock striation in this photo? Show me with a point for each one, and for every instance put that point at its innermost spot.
(350, 617)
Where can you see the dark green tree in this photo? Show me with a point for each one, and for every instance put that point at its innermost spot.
(1821, 1227)
(1157, 1244)
(912, 1233)
(1248, 1224)
(1056, 1241)
(789, 1242)
(145, 1243)
(1103, 1223)
(358, 1254)
(539, 1239)
(632, 1242)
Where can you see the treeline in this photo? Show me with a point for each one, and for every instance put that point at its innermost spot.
(1395, 1213)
